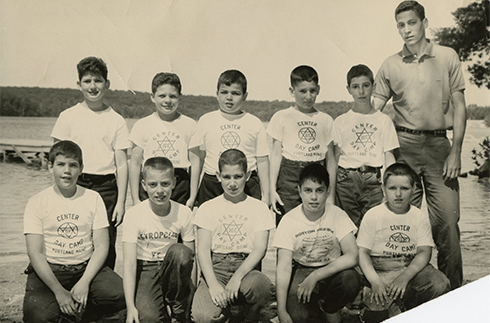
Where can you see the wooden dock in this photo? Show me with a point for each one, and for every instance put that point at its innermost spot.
(26, 149)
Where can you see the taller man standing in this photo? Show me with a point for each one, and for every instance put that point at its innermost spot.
(426, 84)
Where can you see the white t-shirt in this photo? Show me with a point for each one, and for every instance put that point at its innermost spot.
(233, 225)
(304, 136)
(98, 133)
(364, 138)
(158, 137)
(314, 243)
(389, 234)
(218, 131)
(154, 234)
(66, 223)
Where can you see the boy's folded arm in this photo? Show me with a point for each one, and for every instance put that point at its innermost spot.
(121, 158)
(134, 172)
(418, 263)
(348, 259)
(129, 276)
(283, 277)
(264, 177)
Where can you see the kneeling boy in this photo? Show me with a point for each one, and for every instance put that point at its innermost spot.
(395, 246)
(316, 255)
(157, 269)
(67, 240)
(232, 235)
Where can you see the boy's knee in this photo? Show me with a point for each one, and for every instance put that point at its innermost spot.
(180, 253)
(351, 282)
(440, 284)
(256, 287)
(150, 315)
(35, 314)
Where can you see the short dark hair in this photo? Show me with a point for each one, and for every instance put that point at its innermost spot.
(315, 172)
(411, 5)
(66, 148)
(303, 73)
(92, 65)
(358, 71)
(233, 157)
(166, 78)
(400, 169)
(158, 163)
(230, 77)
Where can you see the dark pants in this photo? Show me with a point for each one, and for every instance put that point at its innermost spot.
(287, 184)
(333, 293)
(162, 283)
(105, 296)
(356, 192)
(211, 187)
(426, 154)
(254, 292)
(106, 186)
(181, 191)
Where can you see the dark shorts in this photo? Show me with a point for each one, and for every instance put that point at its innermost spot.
(211, 187)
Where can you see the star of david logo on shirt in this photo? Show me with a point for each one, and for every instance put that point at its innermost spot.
(232, 230)
(364, 137)
(68, 230)
(399, 237)
(307, 135)
(165, 145)
(230, 139)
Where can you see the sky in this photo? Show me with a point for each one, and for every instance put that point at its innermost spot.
(43, 40)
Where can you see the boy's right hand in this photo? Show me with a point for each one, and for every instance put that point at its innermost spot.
(218, 295)
(132, 315)
(66, 302)
(284, 316)
(275, 199)
(379, 293)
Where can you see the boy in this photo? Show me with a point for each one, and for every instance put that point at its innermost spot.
(300, 135)
(232, 234)
(67, 241)
(165, 133)
(422, 80)
(231, 127)
(103, 136)
(157, 269)
(366, 140)
(316, 255)
(395, 246)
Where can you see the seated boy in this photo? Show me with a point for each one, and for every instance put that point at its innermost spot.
(231, 127)
(395, 246)
(316, 255)
(67, 240)
(102, 135)
(232, 235)
(157, 269)
(365, 143)
(165, 133)
(301, 135)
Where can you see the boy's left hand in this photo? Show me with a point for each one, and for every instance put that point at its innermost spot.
(398, 286)
(306, 288)
(117, 216)
(80, 294)
(232, 288)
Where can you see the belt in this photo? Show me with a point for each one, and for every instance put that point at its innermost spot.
(435, 133)
(301, 164)
(95, 178)
(364, 169)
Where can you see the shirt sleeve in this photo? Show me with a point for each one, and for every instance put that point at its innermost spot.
(262, 147)
(122, 135)
(129, 228)
(61, 130)
(456, 78)
(390, 136)
(330, 131)
(367, 231)
(197, 138)
(188, 227)
(100, 216)
(382, 88)
(284, 238)
(274, 128)
(32, 217)
(136, 135)
(424, 232)
(344, 225)
(202, 219)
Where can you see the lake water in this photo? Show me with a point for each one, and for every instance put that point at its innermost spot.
(18, 183)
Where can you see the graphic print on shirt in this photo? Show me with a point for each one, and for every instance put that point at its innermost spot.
(163, 144)
(307, 134)
(67, 230)
(364, 134)
(230, 139)
(399, 242)
(231, 234)
(155, 240)
(318, 246)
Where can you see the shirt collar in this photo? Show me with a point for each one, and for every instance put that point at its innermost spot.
(429, 51)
